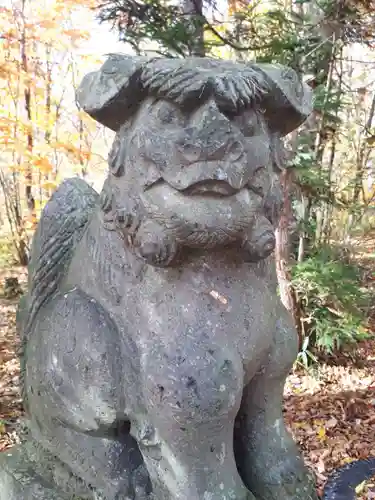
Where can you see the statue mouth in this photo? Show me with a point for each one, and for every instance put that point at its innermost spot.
(206, 215)
(213, 188)
(209, 176)
(217, 197)
(221, 190)
(215, 206)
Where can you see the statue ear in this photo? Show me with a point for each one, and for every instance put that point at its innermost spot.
(288, 102)
(112, 94)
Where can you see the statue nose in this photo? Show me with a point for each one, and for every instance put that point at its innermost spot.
(189, 151)
(212, 142)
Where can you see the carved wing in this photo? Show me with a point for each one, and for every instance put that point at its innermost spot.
(61, 225)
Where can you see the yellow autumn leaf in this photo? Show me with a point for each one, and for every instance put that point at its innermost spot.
(360, 488)
(47, 24)
(14, 167)
(299, 425)
(76, 34)
(67, 147)
(49, 185)
(17, 147)
(321, 434)
(29, 224)
(43, 164)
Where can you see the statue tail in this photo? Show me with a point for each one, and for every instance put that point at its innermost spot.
(61, 225)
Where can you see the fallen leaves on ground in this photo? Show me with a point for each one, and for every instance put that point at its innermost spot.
(10, 399)
(331, 413)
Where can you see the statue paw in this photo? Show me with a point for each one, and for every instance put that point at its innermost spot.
(20, 481)
(154, 245)
(291, 486)
(127, 221)
(260, 243)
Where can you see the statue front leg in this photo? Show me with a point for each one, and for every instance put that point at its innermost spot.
(267, 457)
(192, 393)
(77, 366)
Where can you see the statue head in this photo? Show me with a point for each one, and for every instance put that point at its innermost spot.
(197, 153)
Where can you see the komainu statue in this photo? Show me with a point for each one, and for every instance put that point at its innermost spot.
(155, 347)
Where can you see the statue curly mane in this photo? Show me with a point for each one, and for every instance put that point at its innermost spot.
(126, 81)
(61, 226)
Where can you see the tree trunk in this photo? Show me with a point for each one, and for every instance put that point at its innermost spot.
(282, 253)
(30, 140)
(194, 10)
(48, 106)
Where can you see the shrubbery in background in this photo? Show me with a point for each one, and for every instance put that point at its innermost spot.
(332, 300)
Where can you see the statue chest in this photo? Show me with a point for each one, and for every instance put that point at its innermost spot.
(204, 312)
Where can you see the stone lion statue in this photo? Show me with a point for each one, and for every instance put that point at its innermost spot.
(155, 347)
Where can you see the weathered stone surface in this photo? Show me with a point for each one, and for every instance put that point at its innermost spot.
(155, 346)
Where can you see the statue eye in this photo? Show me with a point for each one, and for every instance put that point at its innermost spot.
(231, 115)
(116, 156)
(170, 115)
(250, 122)
(260, 182)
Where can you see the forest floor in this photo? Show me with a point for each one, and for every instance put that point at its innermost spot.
(330, 411)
